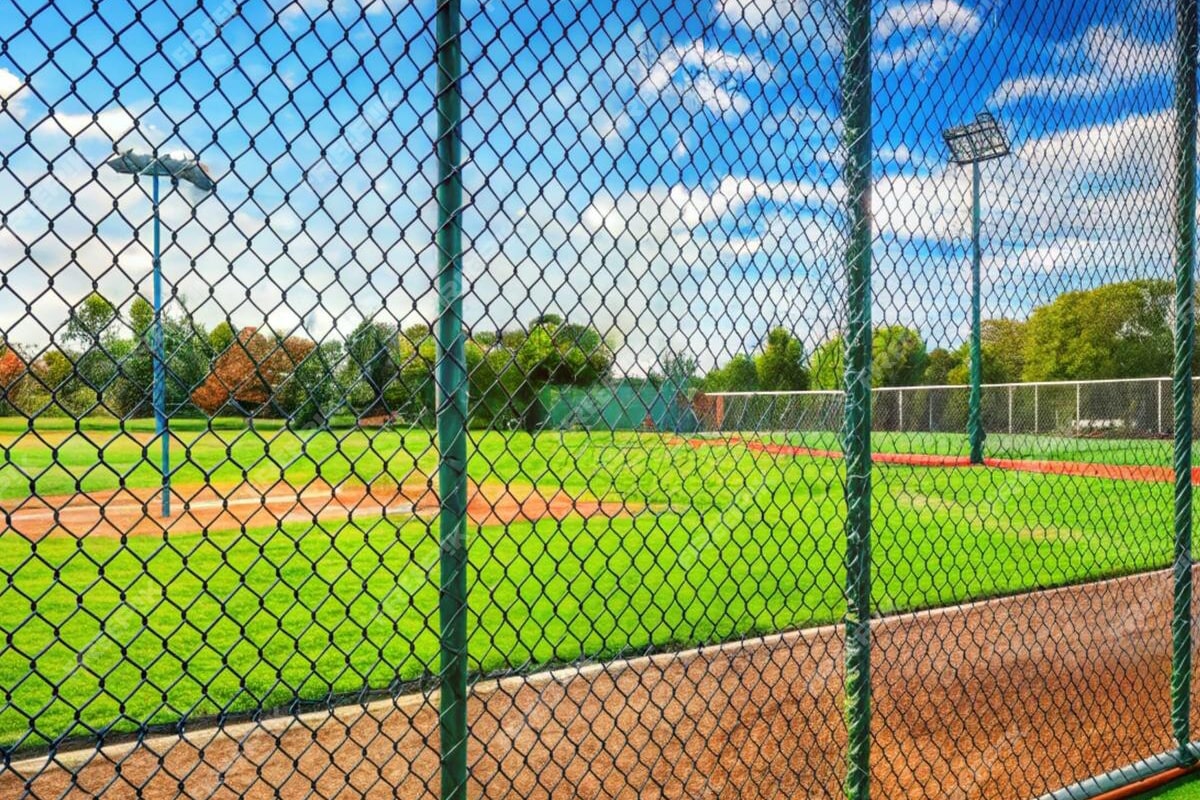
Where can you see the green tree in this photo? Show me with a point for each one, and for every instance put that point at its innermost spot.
(564, 354)
(678, 369)
(221, 336)
(1119, 330)
(311, 394)
(898, 358)
(1002, 345)
(92, 330)
(780, 366)
(738, 375)
(371, 368)
(941, 364)
(826, 366)
(91, 322)
(497, 392)
(188, 355)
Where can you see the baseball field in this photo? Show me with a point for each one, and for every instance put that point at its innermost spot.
(301, 565)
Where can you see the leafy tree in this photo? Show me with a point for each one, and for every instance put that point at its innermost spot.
(941, 364)
(141, 315)
(221, 336)
(563, 354)
(14, 383)
(1120, 330)
(91, 321)
(898, 358)
(188, 354)
(827, 364)
(497, 389)
(247, 376)
(56, 372)
(738, 375)
(371, 367)
(678, 369)
(780, 366)
(309, 395)
(91, 333)
(1002, 345)
(52, 384)
(506, 372)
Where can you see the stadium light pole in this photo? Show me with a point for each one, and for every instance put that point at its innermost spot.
(138, 163)
(974, 143)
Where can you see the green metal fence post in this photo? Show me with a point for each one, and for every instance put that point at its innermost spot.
(856, 104)
(1185, 264)
(975, 410)
(451, 409)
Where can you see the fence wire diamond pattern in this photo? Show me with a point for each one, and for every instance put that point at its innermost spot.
(450, 398)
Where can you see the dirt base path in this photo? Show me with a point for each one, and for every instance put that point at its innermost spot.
(129, 512)
(1121, 472)
(1007, 698)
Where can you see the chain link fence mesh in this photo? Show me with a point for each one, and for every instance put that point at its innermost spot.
(530, 399)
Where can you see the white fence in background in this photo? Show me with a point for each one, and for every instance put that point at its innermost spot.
(1134, 407)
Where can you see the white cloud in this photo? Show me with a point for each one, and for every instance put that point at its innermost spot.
(110, 124)
(705, 75)
(678, 209)
(923, 31)
(928, 15)
(299, 10)
(14, 90)
(897, 155)
(804, 26)
(761, 16)
(1114, 61)
(610, 127)
(710, 266)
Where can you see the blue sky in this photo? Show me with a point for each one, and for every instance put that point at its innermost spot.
(669, 170)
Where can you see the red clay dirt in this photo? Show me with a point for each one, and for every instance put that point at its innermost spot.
(129, 512)
(1002, 699)
(1120, 472)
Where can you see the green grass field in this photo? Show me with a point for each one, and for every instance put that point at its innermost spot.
(1186, 789)
(1001, 445)
(105, 634)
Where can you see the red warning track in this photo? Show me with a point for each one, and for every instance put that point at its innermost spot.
(1117, 472)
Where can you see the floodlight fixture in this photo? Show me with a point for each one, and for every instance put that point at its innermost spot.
(978, 141)
(173, 165)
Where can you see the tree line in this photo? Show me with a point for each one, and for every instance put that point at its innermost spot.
(380, 371)
(104, 362)
(1117, 330)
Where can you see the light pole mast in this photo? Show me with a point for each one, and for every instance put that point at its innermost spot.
(136, 163)
(973, 143)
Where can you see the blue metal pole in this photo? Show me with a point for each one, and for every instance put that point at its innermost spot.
(160, 367)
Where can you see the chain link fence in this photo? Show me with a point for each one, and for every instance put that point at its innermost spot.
(454, 399)
(1133, 408)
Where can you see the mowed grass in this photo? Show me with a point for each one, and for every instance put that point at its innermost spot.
(1134, 452)
(1186, 789)
(105, 635)
(54, 460)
